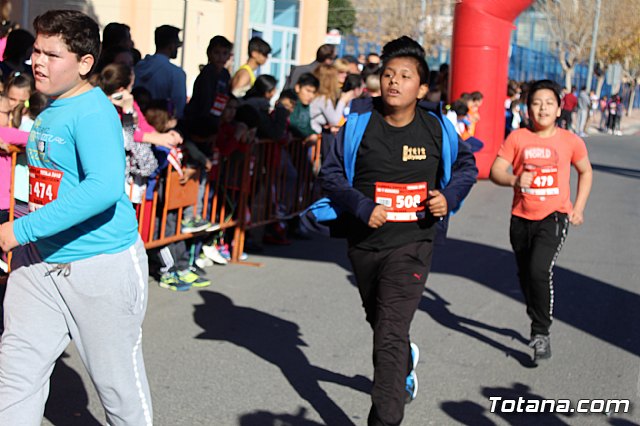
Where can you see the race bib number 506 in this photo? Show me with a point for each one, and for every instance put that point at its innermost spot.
(43, 186)
(404, 199)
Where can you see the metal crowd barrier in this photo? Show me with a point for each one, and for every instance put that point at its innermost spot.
(270, 182)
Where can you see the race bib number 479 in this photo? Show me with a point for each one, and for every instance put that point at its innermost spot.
(43, 186)
(404, 199)
(545, 182)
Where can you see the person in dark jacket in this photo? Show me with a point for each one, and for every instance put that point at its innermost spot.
(395, 170)
(271, 126)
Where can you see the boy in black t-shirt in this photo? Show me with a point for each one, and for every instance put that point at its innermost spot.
(396, 170)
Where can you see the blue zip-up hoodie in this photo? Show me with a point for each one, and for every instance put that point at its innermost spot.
(456, 175)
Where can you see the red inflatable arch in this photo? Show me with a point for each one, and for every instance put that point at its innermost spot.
(479, 61)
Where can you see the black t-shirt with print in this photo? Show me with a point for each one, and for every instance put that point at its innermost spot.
(406, 154)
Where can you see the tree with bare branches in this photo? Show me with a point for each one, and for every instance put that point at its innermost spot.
(570, 25)
(380, 21)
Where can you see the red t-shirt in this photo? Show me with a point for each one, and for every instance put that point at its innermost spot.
(569, 102)
(550, 159)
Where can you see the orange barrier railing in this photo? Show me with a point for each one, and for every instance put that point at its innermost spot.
(268, 183)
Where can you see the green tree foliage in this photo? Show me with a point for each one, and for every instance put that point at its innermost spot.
(342, 16)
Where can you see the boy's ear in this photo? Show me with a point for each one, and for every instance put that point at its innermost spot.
(85, 64)
(423, 90)
(297, 88)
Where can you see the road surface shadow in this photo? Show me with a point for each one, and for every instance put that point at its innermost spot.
(593, 306)
(438, 309)
(276, 341)
(619, 171)
(590, 305)
(472, 414)
(68, 398)
(265, 418)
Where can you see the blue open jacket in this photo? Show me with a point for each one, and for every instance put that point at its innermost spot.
(456, 175)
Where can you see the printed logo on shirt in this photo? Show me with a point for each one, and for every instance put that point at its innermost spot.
(412, 153)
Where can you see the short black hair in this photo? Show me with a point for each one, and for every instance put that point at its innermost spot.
(406, 47)
(460, 108)
(289, 94)
(165, 35)
(256, 44)
(19, 43)
(264, 84)
(353, 81)
(476, 96)
(219, 41)
(79, 32)
(308, 79)
(542, 85)
(114, 34)
(324, 52)
(350, 59)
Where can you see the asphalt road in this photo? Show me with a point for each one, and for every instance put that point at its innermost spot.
(287, 343)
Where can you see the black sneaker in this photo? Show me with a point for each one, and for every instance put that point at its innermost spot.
(541, 345)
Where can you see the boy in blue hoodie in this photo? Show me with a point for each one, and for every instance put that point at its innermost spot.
(396, 170)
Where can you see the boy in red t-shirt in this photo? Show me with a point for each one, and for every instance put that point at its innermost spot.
(541, 159)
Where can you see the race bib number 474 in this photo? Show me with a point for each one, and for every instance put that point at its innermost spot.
(43, 186)
(404, 199)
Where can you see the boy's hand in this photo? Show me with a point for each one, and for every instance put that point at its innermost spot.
(437, 203)
(524, 180)
(189, 173)
(378, 216)
(7, 237)
(576, 218)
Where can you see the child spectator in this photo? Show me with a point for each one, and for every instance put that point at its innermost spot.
(18, 89)
(300, 118)
(116, 81)
(17, 53)
(245, 77)
(10, 140)
(271, 126)
(211, 88)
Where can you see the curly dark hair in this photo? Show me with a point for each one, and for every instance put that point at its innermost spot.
(79, 32)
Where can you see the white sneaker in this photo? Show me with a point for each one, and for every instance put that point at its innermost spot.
(212, 253)
(203, 262)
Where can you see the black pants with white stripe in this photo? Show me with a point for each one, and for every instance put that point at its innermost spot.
(536, 244)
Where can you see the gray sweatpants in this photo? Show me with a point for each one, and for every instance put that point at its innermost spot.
(98, 302)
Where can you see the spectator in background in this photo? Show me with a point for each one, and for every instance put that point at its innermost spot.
(604, 113)
(211, 88)
(342, 67)
(373, 59)
(569, 104)
(158, 75)
(325, 54)
(244, 78)
(17, 52)
(6, 26)
(614, 108)
(352, 62)
(115, 55)
(270, 126)
(116, 35)
(300, 118)
(584, 105)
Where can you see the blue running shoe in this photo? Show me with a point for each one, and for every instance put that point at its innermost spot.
(412, 379)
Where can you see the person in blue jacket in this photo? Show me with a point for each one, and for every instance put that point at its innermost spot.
(79, 269)
(397, 169)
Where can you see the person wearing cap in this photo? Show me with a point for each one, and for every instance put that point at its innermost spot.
(158, 75)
